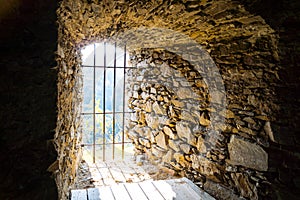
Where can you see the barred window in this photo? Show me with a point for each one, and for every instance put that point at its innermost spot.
(105, 109)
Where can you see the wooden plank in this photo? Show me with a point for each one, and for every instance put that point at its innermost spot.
(181, 190)
(78, 194)
(92, 165)
(100, 164)
(165, 189)
(126, 166)
(96, 175)
(105, 193)
(150, 190)
(142, 174)
(129, 173)
(120, 192)
(106, 175)
(135, 191)
(186, 189)
(177, 190)
(93, 194)
(116, 172)
(202, 193)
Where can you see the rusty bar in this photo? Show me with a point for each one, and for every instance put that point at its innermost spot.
(104, 94)
(94, 104)
(114, 100)
(123, 125)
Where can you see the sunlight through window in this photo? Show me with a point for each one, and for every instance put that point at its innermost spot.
(104, 109)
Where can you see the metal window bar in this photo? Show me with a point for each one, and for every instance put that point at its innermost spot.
(104, 102)
(94, 105)
(123, 125)
(87, 144)
(97, 144)
(107, 67)
(104, 113)
(114, 101)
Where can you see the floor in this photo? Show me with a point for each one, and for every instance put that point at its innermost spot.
(121, 180)
(114, 172)
(173, 189)
(109, 173)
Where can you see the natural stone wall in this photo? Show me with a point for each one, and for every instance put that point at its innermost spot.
(244, 50)
(28, 83)
(284, 17)
(172, 124)
(68, 127)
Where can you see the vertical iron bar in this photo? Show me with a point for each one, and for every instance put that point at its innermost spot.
(114, 100)
(94, 105)
(123, 125)
(104, 95)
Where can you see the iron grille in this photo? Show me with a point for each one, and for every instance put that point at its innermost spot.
(104, 102)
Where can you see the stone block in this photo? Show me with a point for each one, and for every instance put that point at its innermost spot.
(201, 147)
(246, 188)
(184, 93)
(187, 117)
(206, 167)
(227, 113)
(169, 132)
(186, 148)
(179, 157)
(247, 130)
(161, 140)
(158, 109)
(152, 121)
(183, 130)
(247, 154)
(168, 157)
(219, 191)
(145, 142)
(157, 151)
(203, 120)
(174, 145)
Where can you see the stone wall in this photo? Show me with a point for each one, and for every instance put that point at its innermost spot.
(284, 17)
(173, 124)
(230, 32)
(242, 47)
(68, 128)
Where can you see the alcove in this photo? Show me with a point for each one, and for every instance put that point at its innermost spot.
(236, 87)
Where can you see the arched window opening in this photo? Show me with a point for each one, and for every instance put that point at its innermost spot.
(104, 109)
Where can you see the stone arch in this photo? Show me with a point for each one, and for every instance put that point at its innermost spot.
(242, 46)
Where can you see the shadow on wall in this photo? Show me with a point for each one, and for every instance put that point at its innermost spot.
(28, 94)
(283, 16)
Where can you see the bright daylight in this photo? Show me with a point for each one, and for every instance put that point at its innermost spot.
(104, 103)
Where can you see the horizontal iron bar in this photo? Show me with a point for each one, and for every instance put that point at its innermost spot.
(112, 67)
(107, 113)
(106, 143)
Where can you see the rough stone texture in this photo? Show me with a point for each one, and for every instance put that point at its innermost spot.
(220, 192)
(231, 32)
(247, 154)
(247, 189)
(207, 168)
(243, 47)
(185, 140)
(68, 127)
(284, 17)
